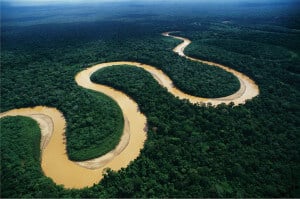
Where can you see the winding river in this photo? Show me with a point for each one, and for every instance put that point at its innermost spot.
(54, 160)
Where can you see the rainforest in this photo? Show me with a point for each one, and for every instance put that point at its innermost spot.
(132, 99)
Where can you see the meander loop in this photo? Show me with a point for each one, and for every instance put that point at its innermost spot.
(54, 160)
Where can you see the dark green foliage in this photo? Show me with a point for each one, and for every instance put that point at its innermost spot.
(222, 152)
(21, 173)
(99, 132)
(196, 78)
(255, 50)
(88, 134)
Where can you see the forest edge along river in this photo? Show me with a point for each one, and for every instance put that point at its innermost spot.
(71, 174)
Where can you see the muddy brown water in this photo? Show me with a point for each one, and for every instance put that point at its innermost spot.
(55, 162)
